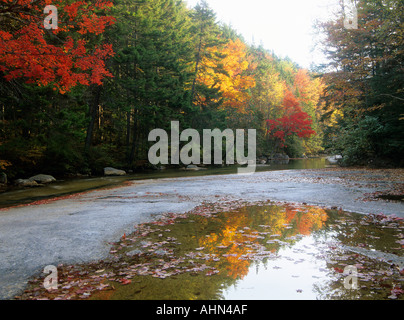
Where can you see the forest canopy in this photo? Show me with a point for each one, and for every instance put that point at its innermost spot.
(364, 94)
(86, 95)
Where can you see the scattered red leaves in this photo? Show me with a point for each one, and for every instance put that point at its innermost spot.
(125, 281)
(339, 270)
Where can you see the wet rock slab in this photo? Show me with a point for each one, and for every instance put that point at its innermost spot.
(236, 251)
(79, 228)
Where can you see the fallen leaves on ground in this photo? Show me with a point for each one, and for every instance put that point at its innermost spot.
(154, 251)
(387, 183)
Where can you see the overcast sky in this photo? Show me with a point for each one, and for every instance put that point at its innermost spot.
(284, 26)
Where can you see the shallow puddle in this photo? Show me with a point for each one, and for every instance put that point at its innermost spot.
(233, 251)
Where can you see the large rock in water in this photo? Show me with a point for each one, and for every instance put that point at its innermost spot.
(42, 178)
(193, 167)
(26, 183)
(280, 156)
(334, 159)
(113, 172)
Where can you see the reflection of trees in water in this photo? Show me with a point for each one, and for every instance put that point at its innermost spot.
(243, 234)
(376, 278)
(333, 290)
(231, 242)
(199, 255)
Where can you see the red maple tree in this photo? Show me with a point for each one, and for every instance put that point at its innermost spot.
(63, 57)
(295, 121)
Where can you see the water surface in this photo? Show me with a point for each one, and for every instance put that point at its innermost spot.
(66, 187)
(227, 251)
(260, 252)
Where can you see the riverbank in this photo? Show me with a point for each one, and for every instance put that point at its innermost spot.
(79, 228)
(66, 186)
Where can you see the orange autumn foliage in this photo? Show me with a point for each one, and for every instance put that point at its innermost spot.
(231, 75)
(307, 90)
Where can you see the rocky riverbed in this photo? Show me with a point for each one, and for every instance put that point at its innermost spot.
(80, 228)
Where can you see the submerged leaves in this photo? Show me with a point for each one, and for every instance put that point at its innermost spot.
(223, 241)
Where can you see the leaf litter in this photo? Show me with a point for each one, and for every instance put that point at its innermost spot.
(223, 240)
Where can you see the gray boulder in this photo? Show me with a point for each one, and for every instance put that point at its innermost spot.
(262, 160)
(26, 183)
(108, 171)
(42, 178)
(193, 167)
(280, 156)
(159, 167)
(334, 159)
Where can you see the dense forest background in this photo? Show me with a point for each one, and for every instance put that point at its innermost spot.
(85, 96)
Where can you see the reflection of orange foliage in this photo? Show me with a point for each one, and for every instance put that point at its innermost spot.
(238, 238)
(306, 219)
(231, 244)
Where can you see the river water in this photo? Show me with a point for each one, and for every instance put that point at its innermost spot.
(222, 249)
(267, 251)
(67, 187)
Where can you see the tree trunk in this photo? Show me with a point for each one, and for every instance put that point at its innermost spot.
(128, 116)
(198, 59)
(93, 115)
(132, 153)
